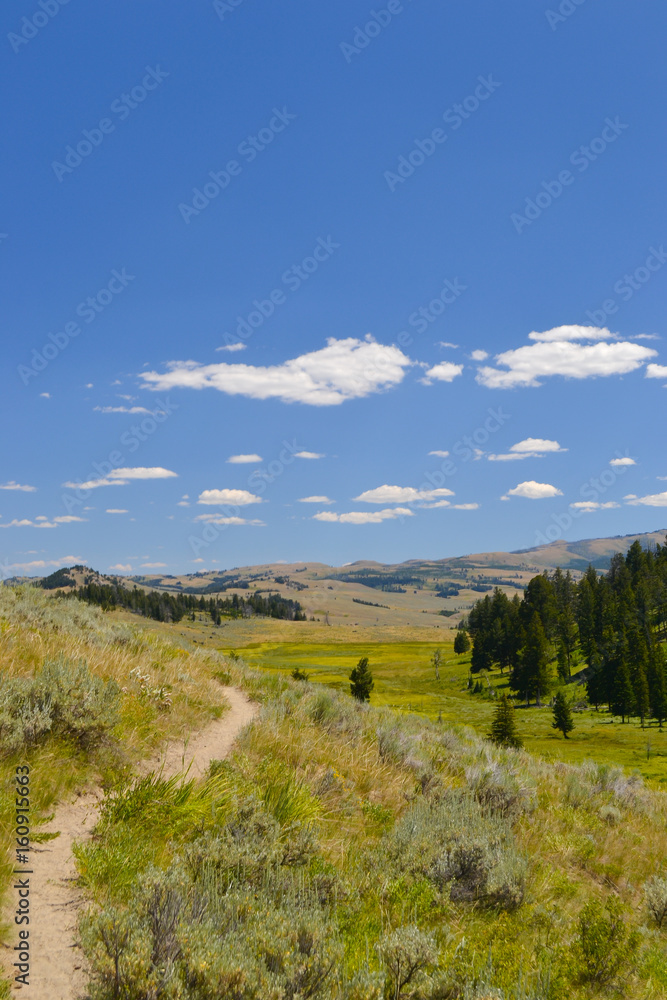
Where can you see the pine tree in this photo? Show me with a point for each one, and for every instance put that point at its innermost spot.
(461, 642)
(640, 686)
(562, 715)
(623, 701)
(503, 726)
(361, 681)
(531, 677)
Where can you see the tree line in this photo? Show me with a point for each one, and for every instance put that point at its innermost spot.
(611, 627)
(166, 607)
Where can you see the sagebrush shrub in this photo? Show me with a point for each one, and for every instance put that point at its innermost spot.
(604, 943)
(655, 892)
(406, 953)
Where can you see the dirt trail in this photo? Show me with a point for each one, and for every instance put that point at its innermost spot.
(57, 965)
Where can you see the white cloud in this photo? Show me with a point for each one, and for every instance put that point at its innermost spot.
(344, 369)
(363, 516)
(534, 491)
(439, 454)
(197, 560)
(244, 459)
(622, 461)
(465, 506)
(308, 454)
(315, 499)
(121, 477)
(11, 485)
(529, 448)
(238, 498)
(116, 510)
(590, 505)
(645, 336)
(656, 371)
(150, 565)
(122, 567)
(445, 343)
(219, 519)
(556, 352)
(401, 494)
(45, 395)
(41, 521)
(121, 409)
(183, 503)
(479, 355)
(46, 563)
(446, 371)
(143, 473)
(232, 347)
(651, 500)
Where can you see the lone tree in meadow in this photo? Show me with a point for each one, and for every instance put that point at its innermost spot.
(504, 731)
(461, 642)
(562, 715)
(361, 681)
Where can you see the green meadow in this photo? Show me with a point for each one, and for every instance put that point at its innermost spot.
(405, 681)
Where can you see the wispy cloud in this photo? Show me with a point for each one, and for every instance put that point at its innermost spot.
(121, 477)
(121, 409)
(232, 519)
(363, 516)
(11, 485)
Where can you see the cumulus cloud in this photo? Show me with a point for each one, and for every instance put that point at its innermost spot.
(122, 567)
(344, 369)
(11, 485)
(315, 499)
(651, 500)
(656, 371)
(534, 491)
(558, 352)
(363, 516)
(622, 461)
(244, 459)
(239, 498)
(529, 448)
(401, 494)
(479, 355)
(446, 371)
(308, 454)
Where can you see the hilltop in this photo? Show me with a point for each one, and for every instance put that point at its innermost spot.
(371, 594)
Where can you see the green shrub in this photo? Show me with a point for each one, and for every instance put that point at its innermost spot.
(62, 698)
(407, 953)
(604, 944)
(655, 892)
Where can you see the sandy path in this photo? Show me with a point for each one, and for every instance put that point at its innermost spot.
(57, 966)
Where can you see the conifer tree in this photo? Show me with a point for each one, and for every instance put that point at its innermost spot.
(504, 731)
(562, 715)
(461, 642)
(361, 681)
(623, 700)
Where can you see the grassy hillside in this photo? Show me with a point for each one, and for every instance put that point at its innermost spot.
(344, 850)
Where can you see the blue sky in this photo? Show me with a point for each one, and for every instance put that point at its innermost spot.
(264, 266)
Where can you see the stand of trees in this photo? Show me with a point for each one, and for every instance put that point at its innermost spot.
(613, 626)
(166, 607)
